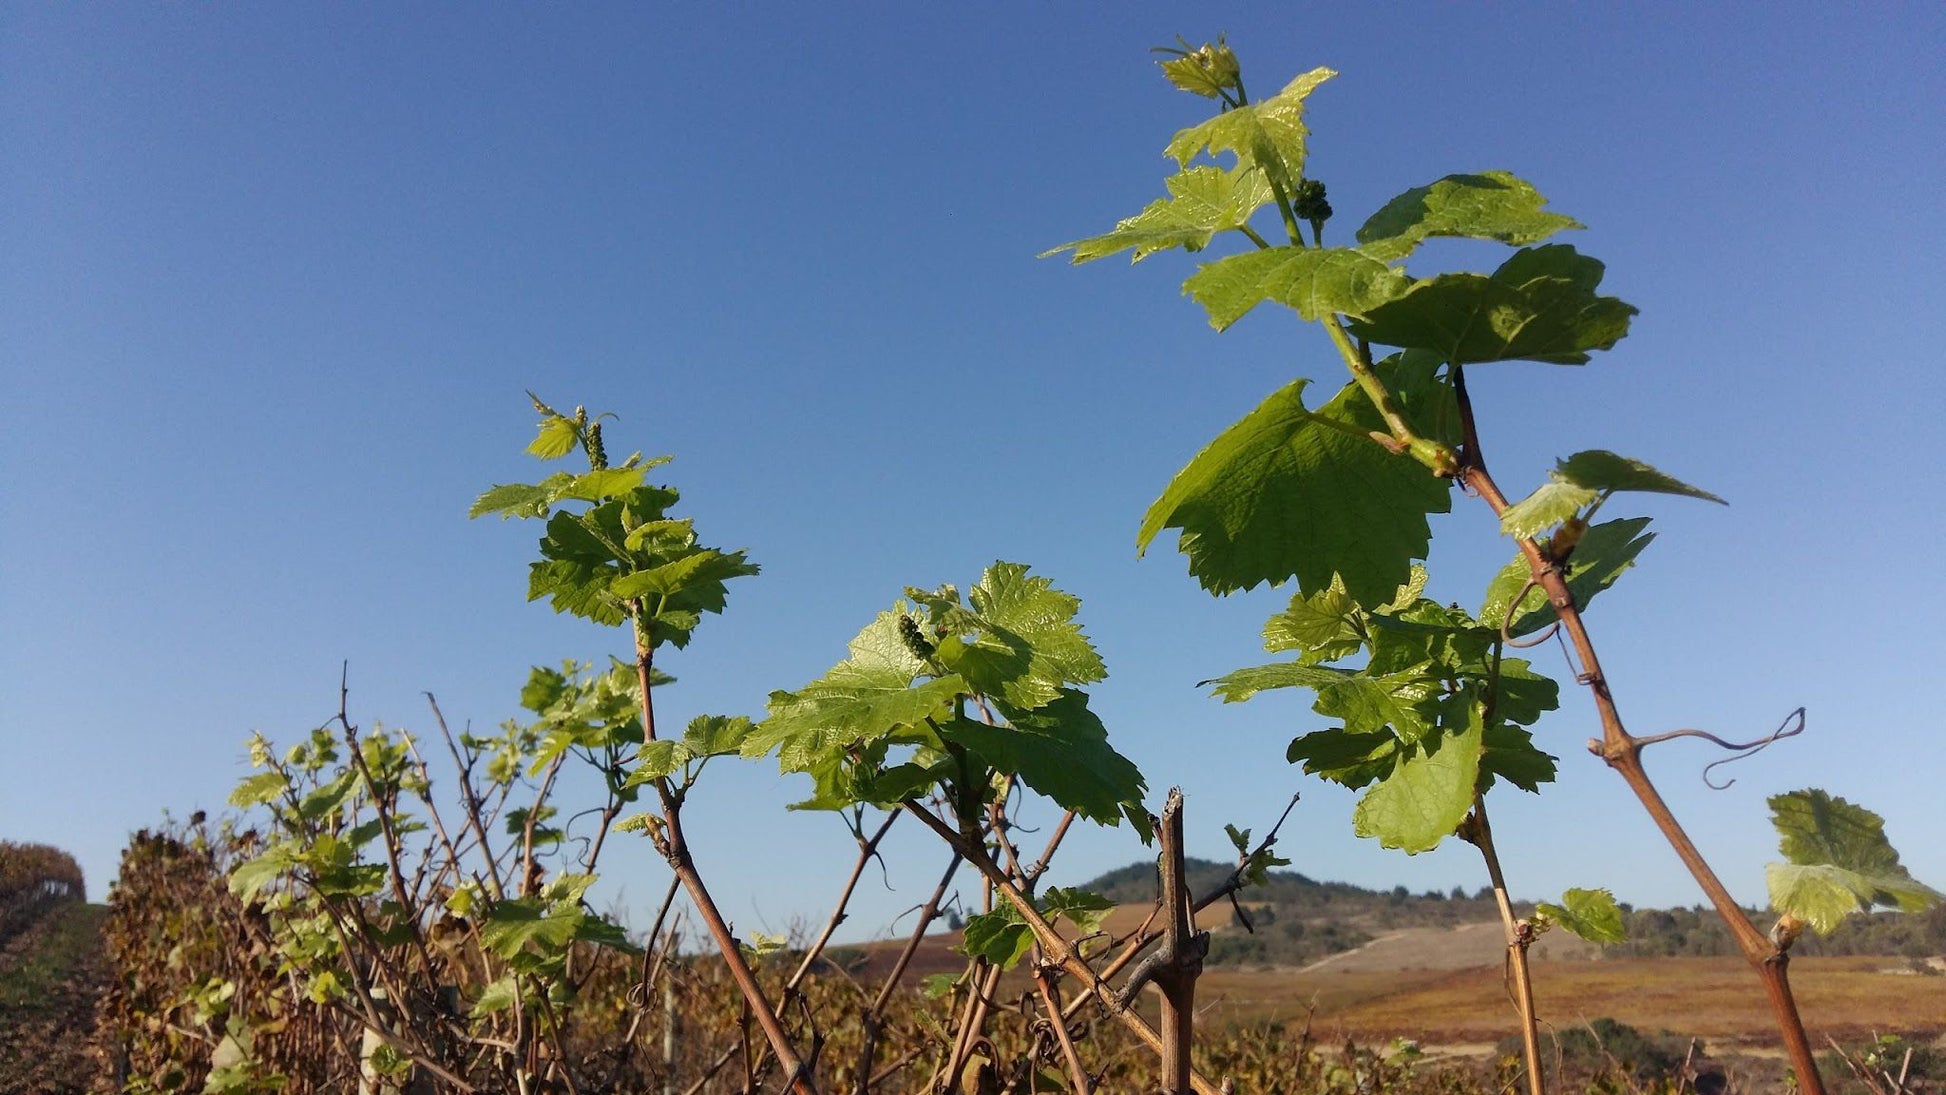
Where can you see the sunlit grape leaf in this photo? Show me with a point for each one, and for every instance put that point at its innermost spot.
(1590, 914)
(1322, 625)
(868, 695)
(716, 735)
(1492, 205)
(1000, 937)
(1028, 646)
(1404, 701)
(1839, 862)
(1202, 201)
(514, 923)
(513, 500)
(1278, 495)
(556, 438)
(1208, 70)
(1426, 797)
(1082, 908)
(1315, 281)
(1539, 305)
(1268, 133)
(1060, 750)
(258, 789)
(1603, 553)
(1582, 479)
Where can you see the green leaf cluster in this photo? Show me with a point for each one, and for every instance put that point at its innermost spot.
(1434, 715)
(1837, 862)
(949, 692)
(623, 556)
(1590, 914)
(1003, 936)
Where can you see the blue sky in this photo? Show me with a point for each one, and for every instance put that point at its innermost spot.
(273, 280)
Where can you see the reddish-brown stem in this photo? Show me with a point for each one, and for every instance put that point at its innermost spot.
(674, 847)
(1057, 949)
(1623, 753)
(874, 1015)
(1182, 954)
(1050, 994)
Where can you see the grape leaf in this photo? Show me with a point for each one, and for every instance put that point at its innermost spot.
(1426, 796)
(716, 735)
(1268, 134)
(1084, 909)
(1202, 201)
(1581, 480)
(1278, 495)
(1509, 753)
(1345, 757)
(1590, 914)
(1404, 701)
(1603, 553)
(1839, 862)
(1029, 645)
(1322, 625)
(1524, 694)
(1539, 305)
(556, 438)
(1059, 749)
(513, 500)
(1316, 281)
(1492, 205)
(866, 696)
(1208, 70)
(1001, 936)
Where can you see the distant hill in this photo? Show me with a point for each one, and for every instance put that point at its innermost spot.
(1295, 920)
(1298, 921)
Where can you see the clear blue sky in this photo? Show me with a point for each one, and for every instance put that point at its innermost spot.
(273, 279)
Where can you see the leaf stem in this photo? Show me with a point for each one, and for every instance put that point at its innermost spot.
(1435, 455)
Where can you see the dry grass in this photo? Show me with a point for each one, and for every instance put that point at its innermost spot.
(1716, 998)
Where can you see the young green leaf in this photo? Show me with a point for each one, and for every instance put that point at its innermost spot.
(557, 438)
(1839, 862)
(1202, 201)
(1580, 481)
(1281, 495)
(1324, 626)
(867, 696)
(1210, 70)
(1603, 553)
(1540, 305)
(1590, 914)
(1492, 205)
(1317, 282)
(935, 985)
(1083, 909)
(1001, 937)
(1367, 702)
(1426, 797)
(1027, 645)
(1268, 134)
(498, 996)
